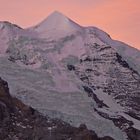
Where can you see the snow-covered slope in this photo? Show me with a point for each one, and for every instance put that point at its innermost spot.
(56, 25)
(10, 32)
(130, 54)
(7, 33)
(75, 73)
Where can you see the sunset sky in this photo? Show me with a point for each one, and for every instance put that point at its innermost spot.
(119, 18)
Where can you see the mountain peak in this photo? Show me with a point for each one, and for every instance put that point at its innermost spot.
(56, 18)
(56, 14)
(57, 23)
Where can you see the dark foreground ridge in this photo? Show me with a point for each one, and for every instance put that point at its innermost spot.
(21, 122)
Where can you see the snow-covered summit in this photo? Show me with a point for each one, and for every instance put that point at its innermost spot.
(57, 24)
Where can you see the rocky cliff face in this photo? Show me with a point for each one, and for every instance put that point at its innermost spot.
(105, 70)
(21, 122)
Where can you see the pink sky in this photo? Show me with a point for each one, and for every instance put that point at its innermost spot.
(119, 18)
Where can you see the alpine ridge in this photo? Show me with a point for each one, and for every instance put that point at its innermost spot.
(77, 74)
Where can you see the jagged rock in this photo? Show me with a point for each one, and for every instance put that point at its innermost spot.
(133, 133)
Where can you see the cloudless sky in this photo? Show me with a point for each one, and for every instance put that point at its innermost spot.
(119, 18)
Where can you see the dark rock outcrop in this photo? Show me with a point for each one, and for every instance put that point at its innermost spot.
(133, 133)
